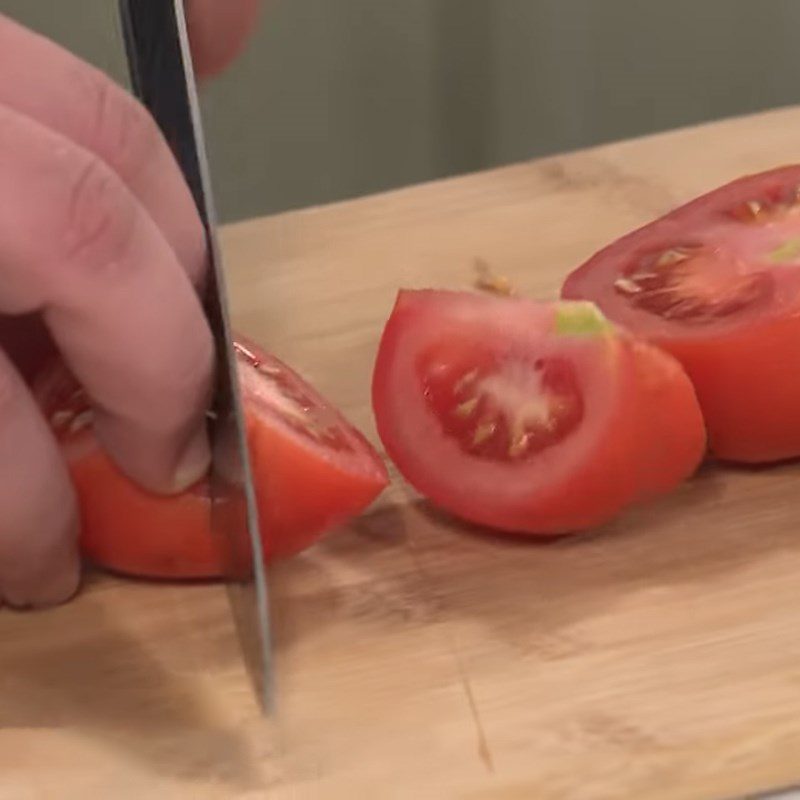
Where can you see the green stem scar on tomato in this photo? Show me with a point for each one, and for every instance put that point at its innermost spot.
(533, 418)
(313, 470)
(580, 319)
(787, 251)
(716, 283)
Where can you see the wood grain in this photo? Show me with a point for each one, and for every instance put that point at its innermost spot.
(657, 658)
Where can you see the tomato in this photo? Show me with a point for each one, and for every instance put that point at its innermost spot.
(533, 418)
(312, 469)
(716, 282)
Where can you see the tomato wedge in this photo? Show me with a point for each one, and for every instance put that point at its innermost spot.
(716, 282)
(533, 418)
(313, 470)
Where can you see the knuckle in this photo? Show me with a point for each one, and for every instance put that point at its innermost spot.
(100, 219)
(122, 130)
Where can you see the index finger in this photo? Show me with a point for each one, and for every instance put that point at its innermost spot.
(76, 245)
(49, 84)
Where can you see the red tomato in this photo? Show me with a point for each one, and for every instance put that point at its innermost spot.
(716, 282)
(313, 470)
(530, 417)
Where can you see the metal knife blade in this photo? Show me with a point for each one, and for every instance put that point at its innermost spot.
(162, 76)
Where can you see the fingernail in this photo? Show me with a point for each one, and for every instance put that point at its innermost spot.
(193, 463)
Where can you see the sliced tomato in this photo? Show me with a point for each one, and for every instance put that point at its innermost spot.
(716, 282)
(538, 418)
(313, 470)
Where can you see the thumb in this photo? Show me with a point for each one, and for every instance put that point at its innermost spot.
(218, 32)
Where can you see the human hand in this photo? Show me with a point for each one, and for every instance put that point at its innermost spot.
(102, 254)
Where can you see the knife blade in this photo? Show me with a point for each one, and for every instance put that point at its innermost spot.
(162, 77)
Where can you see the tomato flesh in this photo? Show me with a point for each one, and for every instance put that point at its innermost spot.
(693, 285)
(280, 393)
(313, 471)
(529, 417)
(504, 411)
(716, 283)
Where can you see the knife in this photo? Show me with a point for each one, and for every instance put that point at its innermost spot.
(162, 77)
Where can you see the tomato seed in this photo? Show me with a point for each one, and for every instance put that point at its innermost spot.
(61, 419)
(81, 421)
(627, 286)
(483, 433)
(490, 282)
(672, 256)
(519, 444)
(465, 381)
(249, 355)
(268, 370)
(467, 408)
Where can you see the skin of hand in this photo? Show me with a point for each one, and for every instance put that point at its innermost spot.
(102, 256)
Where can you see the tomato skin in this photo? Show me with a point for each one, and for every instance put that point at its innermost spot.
(133, 532)
(626, 460)
(669, 419)
(749, 388)
(746, 370)
(302, 491)
(285, 477)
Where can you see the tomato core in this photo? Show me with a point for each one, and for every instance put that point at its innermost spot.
(694, 284)
(503, 408)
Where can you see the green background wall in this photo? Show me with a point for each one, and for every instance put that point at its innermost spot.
(337, 98)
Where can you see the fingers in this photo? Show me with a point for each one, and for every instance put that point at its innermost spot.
(76, 244)
(218, 32)
(39, 563)
(47, 83)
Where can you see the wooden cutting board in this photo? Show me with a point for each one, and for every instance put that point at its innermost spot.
(658, 658)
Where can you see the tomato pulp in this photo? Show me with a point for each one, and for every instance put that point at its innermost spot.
(536, 418)
(716, 282)
(312, 470)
